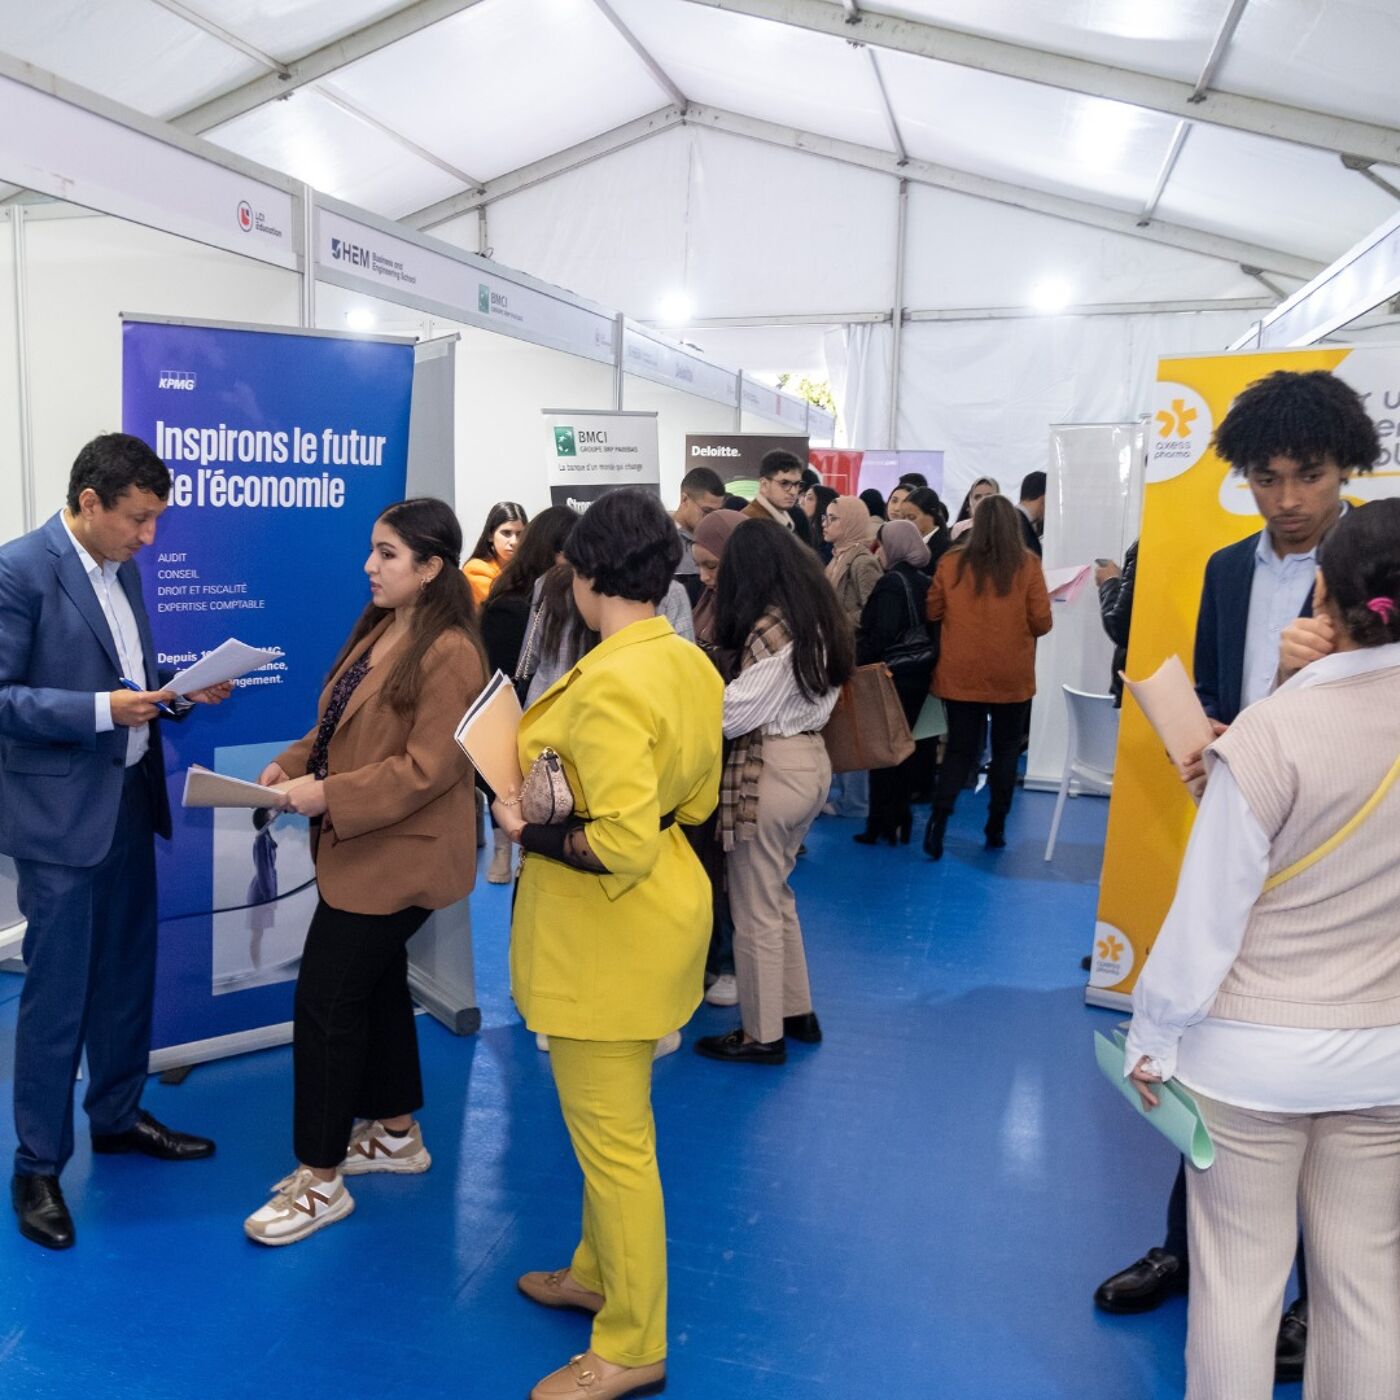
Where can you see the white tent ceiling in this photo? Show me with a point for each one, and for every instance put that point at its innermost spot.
(469, 90)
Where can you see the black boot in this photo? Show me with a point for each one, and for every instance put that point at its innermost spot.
(995, 832)
(933, 835)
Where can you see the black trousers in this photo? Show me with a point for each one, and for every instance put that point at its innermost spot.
(1177, 1241)
(354, 1044)
(891, 789)
(966, 722)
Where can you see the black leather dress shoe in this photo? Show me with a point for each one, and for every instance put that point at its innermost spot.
(154, 1140)
(1292, 1343)
(805, 1028)
(43, 1213)
(734, 1048)
(1143, 1286)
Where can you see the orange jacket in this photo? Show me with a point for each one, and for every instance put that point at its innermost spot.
(988, 646)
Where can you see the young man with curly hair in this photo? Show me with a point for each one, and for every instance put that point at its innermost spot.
(1296, 438)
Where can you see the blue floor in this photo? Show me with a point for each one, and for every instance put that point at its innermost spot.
(920, 1207)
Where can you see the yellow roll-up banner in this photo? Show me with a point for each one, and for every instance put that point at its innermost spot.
(1192, 506)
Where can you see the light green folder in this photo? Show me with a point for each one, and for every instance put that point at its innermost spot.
(932, 722)
(1176, 1116)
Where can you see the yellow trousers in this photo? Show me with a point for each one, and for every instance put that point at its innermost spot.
(605, 1094)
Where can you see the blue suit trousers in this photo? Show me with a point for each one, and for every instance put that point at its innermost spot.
(90, 956)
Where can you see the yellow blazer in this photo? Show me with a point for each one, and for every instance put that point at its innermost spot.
(638, 725)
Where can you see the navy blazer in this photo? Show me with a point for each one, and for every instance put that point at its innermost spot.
(60, 780)
(1221, 626)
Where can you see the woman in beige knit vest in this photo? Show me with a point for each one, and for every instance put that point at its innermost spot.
(1273, 994)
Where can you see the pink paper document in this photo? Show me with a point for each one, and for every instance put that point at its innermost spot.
(1173, 709)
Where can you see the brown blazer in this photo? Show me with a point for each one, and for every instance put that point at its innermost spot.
(987, 651)
(400, 823)
(756, 510)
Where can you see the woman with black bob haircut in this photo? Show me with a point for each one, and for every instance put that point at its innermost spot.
(612, 922)
(503, 531)
(776, 610)
(1273, 994)
(390, 799)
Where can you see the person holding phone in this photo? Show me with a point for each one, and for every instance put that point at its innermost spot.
(390, 798)
(82, 798)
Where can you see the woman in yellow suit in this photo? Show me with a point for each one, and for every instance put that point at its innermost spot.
(612, 923)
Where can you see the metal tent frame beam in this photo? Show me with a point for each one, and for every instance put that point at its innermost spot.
(943, 177)
(1254, 115)
(320, 63)
(1076, 211)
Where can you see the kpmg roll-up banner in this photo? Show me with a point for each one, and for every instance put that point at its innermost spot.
(284, 448)
(592, 452)
(1193, 505)
(736, 456)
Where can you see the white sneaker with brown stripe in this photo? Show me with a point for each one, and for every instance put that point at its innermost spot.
(301, 1204)
(373, 1149)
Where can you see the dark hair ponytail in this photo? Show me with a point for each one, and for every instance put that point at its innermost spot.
(1360, 562)
(429, 529)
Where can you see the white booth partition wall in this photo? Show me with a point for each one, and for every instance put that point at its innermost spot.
(503, 388)
(12, 485)
(81, 272)
(1093, 501)
(677, 414)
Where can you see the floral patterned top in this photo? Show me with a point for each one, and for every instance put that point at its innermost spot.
(318, 764)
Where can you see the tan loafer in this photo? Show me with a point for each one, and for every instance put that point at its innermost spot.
(589, 1377)
(558, 1290)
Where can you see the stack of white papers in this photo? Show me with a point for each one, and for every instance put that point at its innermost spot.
(227, 662)
(205, 788)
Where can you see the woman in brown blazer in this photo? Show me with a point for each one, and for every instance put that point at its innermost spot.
(390, 799)
(989, 594)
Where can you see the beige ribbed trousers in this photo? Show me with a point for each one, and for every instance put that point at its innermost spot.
(1342, 1172)
(769, 961)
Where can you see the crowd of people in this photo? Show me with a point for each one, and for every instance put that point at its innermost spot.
(678, 671)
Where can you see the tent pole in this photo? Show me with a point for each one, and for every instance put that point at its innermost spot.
(26, 427)
(897, 315)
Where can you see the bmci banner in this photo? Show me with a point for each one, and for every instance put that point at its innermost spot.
(736, 456)
(1193, 505)
(591, 452)
(284, 447)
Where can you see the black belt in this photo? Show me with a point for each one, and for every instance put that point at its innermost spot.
(668, 821)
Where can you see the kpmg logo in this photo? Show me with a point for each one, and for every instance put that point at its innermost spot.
(245, 216)
(352, 253)
(176, 379)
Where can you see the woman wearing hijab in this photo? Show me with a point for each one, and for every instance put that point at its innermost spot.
(853, 573)
(981, 489)
(854, 569)
(893, 631)
(711, 536)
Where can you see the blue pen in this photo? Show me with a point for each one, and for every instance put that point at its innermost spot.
(131, 685)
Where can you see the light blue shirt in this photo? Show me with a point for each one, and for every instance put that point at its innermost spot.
(1281, 587)
(126, 637)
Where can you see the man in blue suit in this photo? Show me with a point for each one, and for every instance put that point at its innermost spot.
(82, 795)
(1296, 438)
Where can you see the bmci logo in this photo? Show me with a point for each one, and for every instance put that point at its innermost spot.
(565, 444)
(176, 379)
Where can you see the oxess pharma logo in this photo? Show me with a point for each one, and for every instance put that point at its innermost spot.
(565, 444)
(245, 216)
(1181, 429)
(1112, 959)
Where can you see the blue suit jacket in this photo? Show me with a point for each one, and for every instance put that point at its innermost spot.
(1221, 626)
(60, 780)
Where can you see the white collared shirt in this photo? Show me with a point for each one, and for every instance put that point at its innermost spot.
(126, 637)
(1280, 587)
(1273, 1069)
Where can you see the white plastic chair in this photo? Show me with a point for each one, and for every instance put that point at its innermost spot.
(1091, 750)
